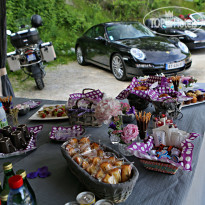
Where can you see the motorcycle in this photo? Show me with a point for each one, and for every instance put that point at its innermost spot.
(31, 52)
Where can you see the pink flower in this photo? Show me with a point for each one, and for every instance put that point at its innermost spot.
(129, 132)
(106, 109)
(125, 107)
(185, 78)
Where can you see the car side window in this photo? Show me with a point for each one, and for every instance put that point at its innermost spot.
(99, 31)
(89, 33)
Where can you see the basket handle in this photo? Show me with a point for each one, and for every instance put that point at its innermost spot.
(85, 89)
(89, 105)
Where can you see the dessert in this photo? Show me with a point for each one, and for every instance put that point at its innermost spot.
(141, 88)
(194, 100)
(53, 111)
(102, 165)
(163, 95)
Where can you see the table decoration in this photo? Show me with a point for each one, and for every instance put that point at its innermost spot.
(42, 172)
(166, 151)
(142, 122)
(102, 187)
(128, 113)
(80, 107)
(31, 144)
(62, 134)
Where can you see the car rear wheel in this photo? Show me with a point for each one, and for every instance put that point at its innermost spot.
(118, 67)
(80, 56)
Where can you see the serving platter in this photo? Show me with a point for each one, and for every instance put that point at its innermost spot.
(191, 104)
(36, 116)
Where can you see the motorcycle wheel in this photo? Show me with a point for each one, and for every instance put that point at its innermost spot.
(39, 83)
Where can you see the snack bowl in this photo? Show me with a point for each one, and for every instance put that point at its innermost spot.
(114, 192)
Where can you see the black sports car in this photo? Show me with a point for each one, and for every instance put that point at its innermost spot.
(130, 49)
(174, 26)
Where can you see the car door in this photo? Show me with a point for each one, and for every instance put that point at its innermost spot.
(99, 46)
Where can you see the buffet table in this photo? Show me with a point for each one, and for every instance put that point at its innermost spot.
(62, 186)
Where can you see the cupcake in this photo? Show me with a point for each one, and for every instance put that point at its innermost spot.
(187, 102)
(194, 100)
(200, 97)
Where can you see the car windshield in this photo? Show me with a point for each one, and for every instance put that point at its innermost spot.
(198, 16)
(128, 31)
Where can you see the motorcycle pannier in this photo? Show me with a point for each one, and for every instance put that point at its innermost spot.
(25, 38)
(13, 61)
(48, 52)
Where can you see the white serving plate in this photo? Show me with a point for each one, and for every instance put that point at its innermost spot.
(35, 116)
(191, 104)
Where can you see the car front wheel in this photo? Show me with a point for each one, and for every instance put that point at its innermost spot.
(118, 67)
(80, 56)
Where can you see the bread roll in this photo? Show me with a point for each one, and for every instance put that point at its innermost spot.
(109, 179)
(126, 172)
(116, 172)
(105, 166)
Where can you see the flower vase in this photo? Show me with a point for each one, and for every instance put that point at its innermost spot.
(123, 149)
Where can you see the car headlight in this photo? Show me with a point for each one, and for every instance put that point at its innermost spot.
(190, 34)
(183, 47)
(137, 53)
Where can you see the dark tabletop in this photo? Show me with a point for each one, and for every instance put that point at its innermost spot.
(62, 186)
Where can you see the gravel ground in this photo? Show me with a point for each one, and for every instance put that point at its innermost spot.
(72, 78)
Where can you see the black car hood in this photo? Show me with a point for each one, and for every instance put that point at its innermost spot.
(157, 49)
(149, 43)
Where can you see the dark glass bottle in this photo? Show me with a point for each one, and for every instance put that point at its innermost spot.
(4, 197)
(22, 173)
(8, 172)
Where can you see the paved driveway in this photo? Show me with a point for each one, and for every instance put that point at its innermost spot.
(67, 79)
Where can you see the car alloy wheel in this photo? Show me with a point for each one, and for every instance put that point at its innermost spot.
(118, 67)
(80, 57)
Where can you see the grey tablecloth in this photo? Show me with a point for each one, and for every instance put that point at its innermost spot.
(61, 187)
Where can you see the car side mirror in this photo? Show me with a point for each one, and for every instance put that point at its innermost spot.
(100, 38)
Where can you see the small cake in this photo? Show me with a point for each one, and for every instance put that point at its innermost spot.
(100, 153)
(100, 174)
(84, 164)
(96, 160)
(200, 97)
(95, 146)
(187, 102)
(74, 141)
(84, 140)
(194, 100)
(118, 163)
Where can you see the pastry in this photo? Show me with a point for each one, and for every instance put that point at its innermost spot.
(105, 166)
(74, 141)
(96, 160)
(84, 164)
(118, 163)
(126, 172)
(187, 102)
(111, 159)
(84, 140)
(79, 160)
(100, 174)
(116, 172)
(95, 146)
(109, 179)
(71, 151)
(100, 153)
(200, 97)
(163, 95)
(194, 100)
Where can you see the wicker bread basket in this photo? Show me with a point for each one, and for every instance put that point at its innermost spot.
(114, 192)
